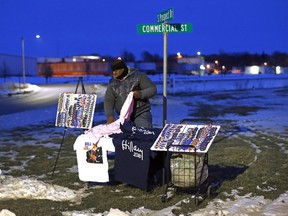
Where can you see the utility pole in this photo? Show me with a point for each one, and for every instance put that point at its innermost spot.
(23, 60)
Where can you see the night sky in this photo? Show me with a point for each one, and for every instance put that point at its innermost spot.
(81, 27)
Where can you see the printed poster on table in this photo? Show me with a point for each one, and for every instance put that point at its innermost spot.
(185, 138)
(75, 110)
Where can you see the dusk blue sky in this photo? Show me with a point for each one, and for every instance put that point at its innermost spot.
(80, 27)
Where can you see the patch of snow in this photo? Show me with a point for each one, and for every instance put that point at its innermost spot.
(29, 188)
(6, 212)
(27, 117)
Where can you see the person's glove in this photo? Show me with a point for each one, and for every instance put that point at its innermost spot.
(136, 95)
(110, 119)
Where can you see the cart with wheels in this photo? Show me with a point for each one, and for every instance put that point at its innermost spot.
(186, 161)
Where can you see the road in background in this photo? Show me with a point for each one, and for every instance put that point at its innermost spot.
(47, 95)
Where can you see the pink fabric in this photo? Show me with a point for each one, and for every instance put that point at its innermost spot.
(95, 133)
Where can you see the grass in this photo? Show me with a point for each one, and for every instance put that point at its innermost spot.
(250, 164)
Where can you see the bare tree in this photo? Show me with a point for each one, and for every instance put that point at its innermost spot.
(4, 71)
(47, 71)
(128, 56)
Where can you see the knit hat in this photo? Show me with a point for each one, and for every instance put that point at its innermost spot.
(118, 64)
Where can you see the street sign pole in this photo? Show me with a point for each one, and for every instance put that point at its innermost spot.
(163, 27)
(165, 79)
(164, 17)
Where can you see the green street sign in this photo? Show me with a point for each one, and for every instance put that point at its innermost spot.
(164, 27)
(165, 16)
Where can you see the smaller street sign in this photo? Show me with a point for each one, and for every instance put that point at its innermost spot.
(164, 27)
(165, 16)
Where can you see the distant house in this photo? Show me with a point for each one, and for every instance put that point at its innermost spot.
(259, 70)
(11, 65)
(190, 65)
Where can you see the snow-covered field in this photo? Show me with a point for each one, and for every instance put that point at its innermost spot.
(275, 117)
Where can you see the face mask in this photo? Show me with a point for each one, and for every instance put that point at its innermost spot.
(121, 76)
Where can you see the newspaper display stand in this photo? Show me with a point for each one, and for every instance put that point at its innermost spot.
(186, 160)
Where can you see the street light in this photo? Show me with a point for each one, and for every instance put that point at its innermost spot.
(23, 57)
(179, 56)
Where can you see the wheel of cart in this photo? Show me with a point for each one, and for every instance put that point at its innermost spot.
(186, 160)
(168, 194)
(211, 189)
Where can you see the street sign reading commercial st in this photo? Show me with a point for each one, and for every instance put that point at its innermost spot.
(165, 16)
(164, 27)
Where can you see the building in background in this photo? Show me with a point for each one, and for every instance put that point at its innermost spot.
(11, 65)
(69, 68)
(191, 65)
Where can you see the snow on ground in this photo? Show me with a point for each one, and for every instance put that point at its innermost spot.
(24, 187)
(24, 118)
(36, 189)
(15, 188)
